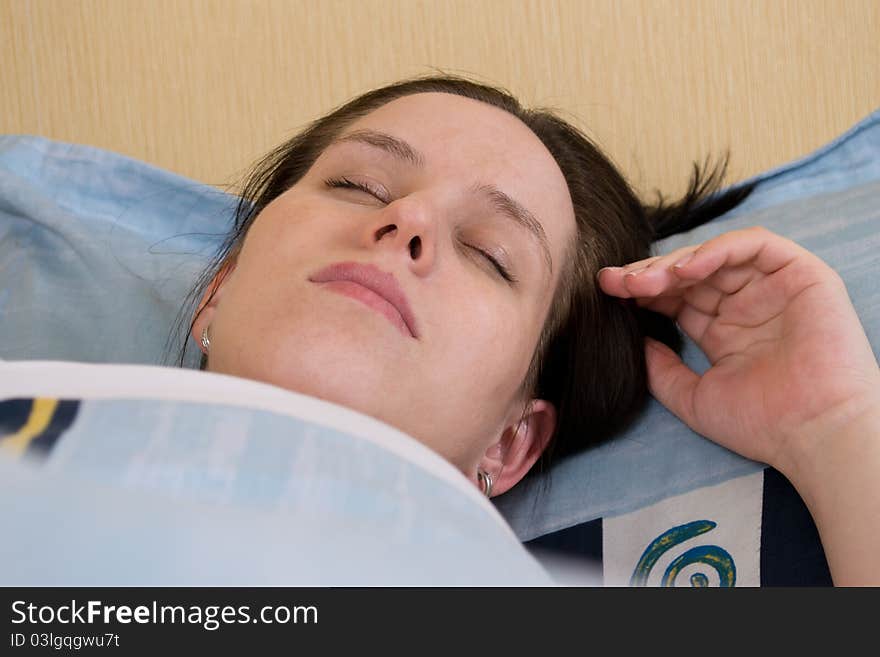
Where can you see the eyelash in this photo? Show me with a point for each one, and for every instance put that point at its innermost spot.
(501, 269)
(346, 183)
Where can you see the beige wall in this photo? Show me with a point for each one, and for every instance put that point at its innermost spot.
(202, 87)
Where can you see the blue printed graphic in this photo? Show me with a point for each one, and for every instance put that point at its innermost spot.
(710, 555)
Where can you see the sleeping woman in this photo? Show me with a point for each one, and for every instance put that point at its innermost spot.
(479, 275)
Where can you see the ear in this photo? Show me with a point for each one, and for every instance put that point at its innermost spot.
(210, 298)
(520, 445)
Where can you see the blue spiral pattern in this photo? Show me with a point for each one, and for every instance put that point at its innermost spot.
(711, 555)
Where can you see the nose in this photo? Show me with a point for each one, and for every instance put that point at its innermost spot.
(406, 227)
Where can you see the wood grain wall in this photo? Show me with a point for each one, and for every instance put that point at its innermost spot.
(203, 87)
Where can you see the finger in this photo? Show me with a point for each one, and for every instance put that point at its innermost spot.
(641, 264)
(673, 306)
(663, 277)
(649, 277)
(611, 282)
(694, 323)
(768, 296)
(705, 296)
(655, 280)
(671, 382)
(764, 250)
(728, 263)
(690, 319)
(659, 275)
(730, 279)
(611, 278)
(665, 305)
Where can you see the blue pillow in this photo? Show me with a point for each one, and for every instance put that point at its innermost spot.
(97, 252)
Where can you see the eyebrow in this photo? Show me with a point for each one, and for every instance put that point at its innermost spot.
(396, 147)
(503, 203)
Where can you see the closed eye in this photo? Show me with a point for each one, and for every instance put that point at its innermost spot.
(346, 183)
(503, 271)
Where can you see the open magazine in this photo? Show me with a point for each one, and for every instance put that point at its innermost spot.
(145, 475)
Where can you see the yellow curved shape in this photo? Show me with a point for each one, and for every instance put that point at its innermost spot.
(42, 410)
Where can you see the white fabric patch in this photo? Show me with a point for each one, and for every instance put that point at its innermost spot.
(708, 537)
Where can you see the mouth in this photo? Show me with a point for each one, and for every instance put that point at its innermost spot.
(374, 288)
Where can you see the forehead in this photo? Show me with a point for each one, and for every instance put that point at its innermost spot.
(469, 141)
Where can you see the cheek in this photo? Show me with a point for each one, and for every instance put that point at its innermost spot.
(285, 234)
(491, 343)
(268, 266)
(288, 222)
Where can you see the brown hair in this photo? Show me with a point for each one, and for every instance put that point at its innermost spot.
(589, 360)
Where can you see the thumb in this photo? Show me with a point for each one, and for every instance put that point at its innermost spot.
(671, 381)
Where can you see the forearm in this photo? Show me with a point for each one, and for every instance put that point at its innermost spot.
(838, 476)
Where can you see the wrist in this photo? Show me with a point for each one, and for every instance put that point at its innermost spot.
(827, 447)
(835, 470)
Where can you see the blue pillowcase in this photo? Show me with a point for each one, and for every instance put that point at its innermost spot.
(98, 252)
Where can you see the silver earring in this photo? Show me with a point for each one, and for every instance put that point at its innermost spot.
(206, 342)
(485, 480)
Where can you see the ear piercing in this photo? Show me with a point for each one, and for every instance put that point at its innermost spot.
(485, 480)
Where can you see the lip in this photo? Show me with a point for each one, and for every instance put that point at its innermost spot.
(375, 288)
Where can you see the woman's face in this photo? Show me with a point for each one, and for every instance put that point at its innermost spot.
(385, 299)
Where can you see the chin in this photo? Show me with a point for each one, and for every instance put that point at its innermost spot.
(341, 376)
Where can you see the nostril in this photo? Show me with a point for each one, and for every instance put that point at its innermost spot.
(415, 247)
(382, 232)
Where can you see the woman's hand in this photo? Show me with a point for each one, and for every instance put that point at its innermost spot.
(793, 381)
(790, 363)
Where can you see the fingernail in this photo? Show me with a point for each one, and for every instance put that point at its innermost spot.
(607, 269)
(683, 261)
